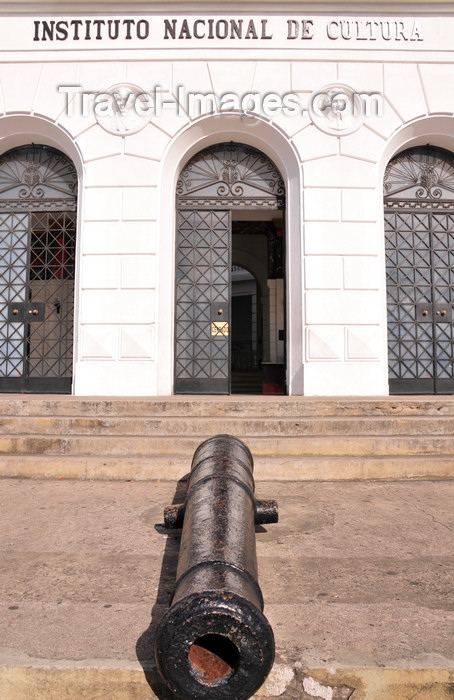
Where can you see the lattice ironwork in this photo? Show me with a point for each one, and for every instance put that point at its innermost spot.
(52, 262)
(420, 279)
(13, 286)
(217, 180)
(230, 175)
(37, 178)
(37, 252)
(202, 359)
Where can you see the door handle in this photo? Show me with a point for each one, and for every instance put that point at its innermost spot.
(442, 312)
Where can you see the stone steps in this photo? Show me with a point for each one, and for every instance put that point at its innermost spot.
(290, 438)
(215, 406)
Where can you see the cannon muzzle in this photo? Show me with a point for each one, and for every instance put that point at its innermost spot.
(214, 643)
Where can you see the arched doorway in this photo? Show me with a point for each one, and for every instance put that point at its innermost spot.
(226, 194)
(419, 229)
(38, 191)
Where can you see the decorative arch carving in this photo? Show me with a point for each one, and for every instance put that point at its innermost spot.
(37, 178)
(230, 175)
(421, 176)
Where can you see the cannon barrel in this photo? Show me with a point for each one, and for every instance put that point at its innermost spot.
(214, 641)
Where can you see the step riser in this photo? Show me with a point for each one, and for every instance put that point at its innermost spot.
(259, 446)
(266, 427)
(277, 469)
(214, 407)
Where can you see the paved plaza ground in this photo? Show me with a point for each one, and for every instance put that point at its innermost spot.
(357, 577)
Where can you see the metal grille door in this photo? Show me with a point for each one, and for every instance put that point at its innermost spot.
(419, 228)
(13, 281)
(420, 271)
(420, 275)
(50, 340)
(37, 292)
(217, 180)
(38, 188)
(202, 355)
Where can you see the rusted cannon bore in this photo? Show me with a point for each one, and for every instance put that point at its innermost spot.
(214, 641)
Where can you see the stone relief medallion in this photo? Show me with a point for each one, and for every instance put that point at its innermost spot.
(123, 109)
(336, 109)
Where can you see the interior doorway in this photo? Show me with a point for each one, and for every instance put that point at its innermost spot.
(246, 338)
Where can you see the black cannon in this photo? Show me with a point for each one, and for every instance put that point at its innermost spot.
(214, 641)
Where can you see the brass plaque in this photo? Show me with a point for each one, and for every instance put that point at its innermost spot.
(220, 329)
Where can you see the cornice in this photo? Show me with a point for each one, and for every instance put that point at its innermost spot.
(116, 7)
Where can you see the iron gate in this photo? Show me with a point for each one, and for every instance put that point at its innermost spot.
(419, 229)
(37, 251)
(202, 302)
(214, 182)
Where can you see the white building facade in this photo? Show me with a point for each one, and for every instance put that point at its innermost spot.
(190, 197)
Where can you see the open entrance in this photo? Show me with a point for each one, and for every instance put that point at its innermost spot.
(230, 262)
(419, 229)
(38, 188)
